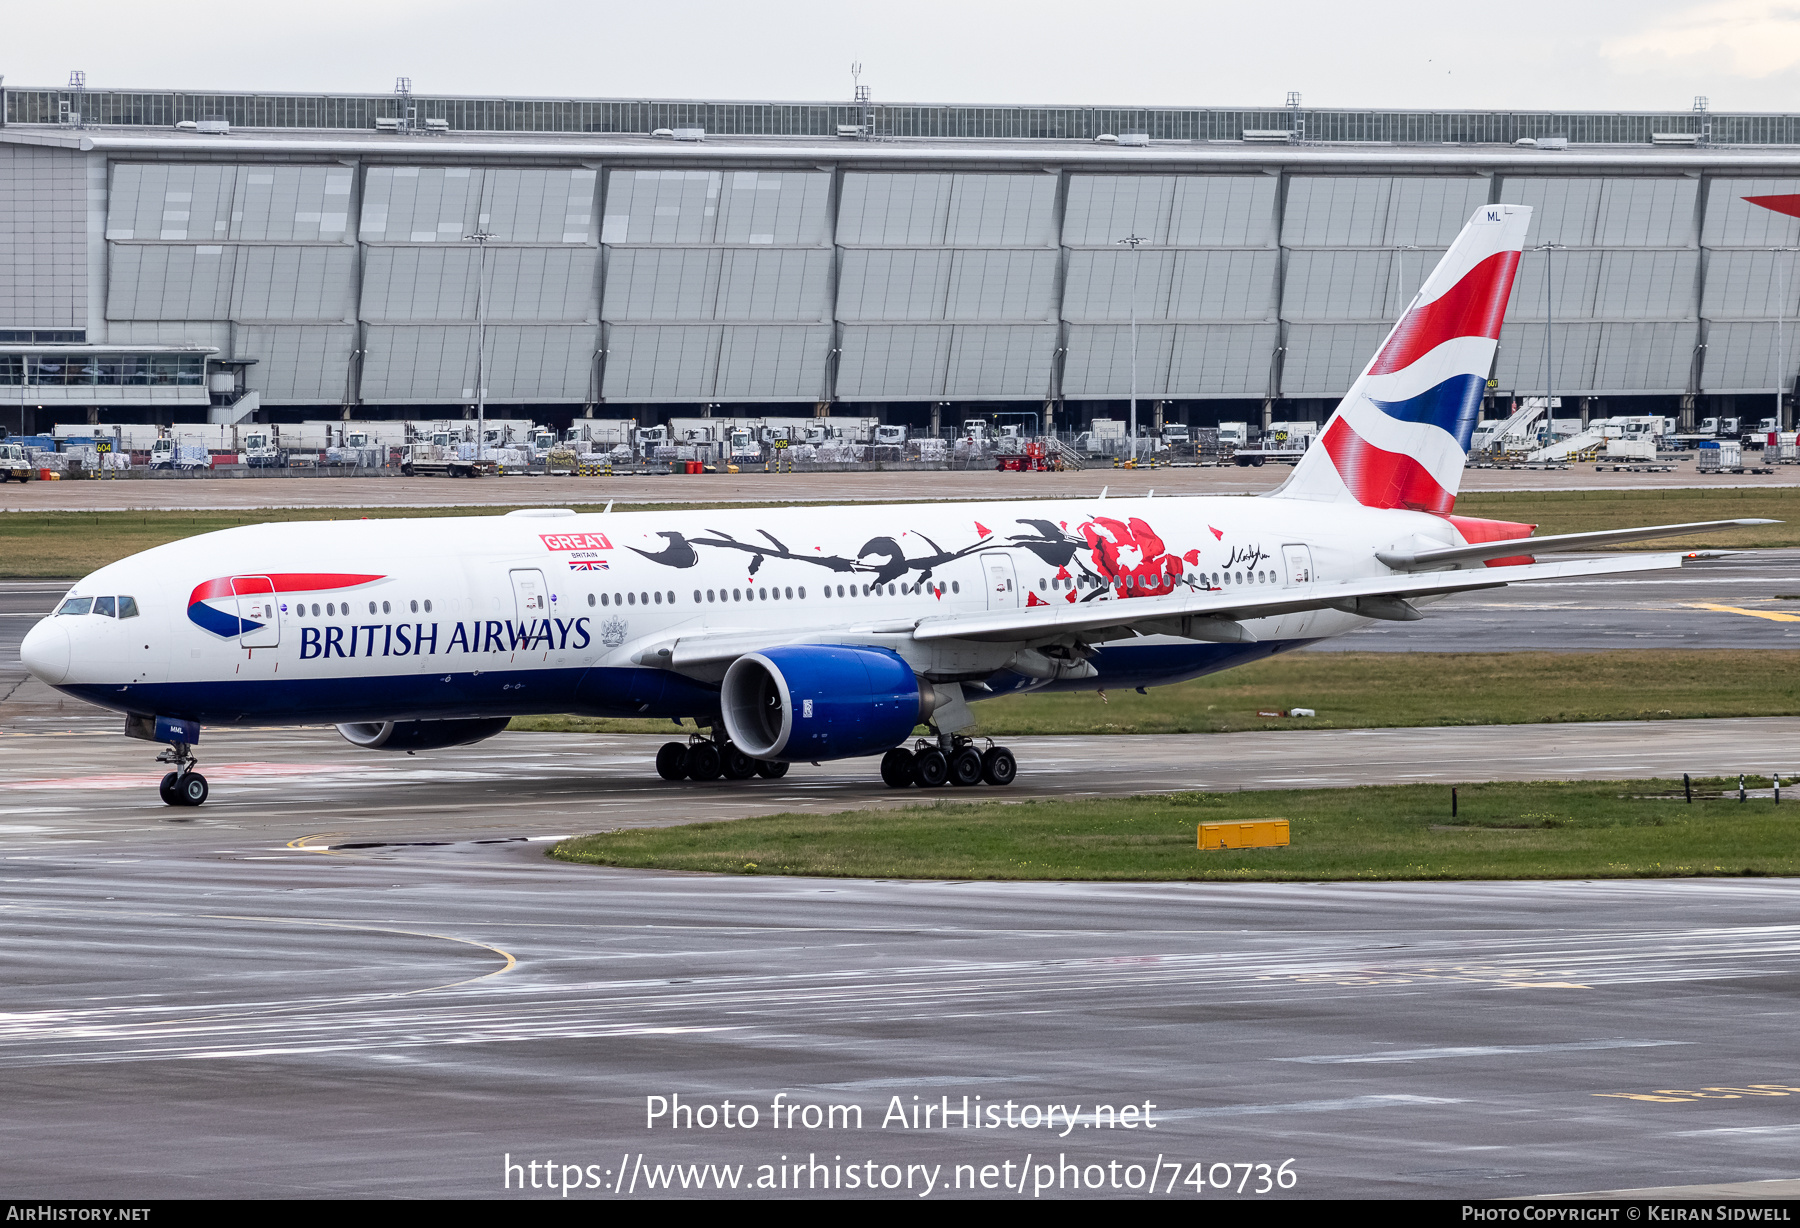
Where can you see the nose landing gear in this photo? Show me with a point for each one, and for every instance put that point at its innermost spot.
(184, 786)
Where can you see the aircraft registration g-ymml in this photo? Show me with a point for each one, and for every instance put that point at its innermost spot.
(813, 634)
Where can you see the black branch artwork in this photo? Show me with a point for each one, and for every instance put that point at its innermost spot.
(882, 558)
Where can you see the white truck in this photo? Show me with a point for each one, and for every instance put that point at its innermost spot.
(599, 434)
(743, 448)
(260, 449)
(1282, 442)
(445, 461)
(14, 463)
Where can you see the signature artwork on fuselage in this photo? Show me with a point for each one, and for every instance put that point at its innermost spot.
(1123, 558)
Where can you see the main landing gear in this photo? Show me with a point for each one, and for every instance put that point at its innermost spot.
(932, 766)
(184, 786)
(707, 759)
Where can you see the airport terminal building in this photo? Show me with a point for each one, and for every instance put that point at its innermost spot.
(168, 256)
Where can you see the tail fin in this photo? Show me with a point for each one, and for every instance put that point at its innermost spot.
(1401, 434)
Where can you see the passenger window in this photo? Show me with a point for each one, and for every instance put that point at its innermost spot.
(106, 606)
(128, 607)
(77, 605)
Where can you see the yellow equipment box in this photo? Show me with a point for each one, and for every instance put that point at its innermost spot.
(1262, 834)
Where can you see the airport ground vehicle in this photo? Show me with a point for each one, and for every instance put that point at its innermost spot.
(808, 634)
(435, 460)
(14, 463)
(1281, 442)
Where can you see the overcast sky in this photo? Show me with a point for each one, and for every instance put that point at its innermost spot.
(1530, 54)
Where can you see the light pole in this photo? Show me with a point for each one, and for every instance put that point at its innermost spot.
(1400, 250)
(1132, 241)
(1781, 336)
(480, 239)
(1549, 330)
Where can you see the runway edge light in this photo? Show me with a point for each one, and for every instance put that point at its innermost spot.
(1262, 834)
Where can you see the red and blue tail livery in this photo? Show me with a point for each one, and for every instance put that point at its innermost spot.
(231, 606)
(1400, 436)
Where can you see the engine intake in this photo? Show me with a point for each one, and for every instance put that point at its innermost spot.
(420, 735)
(813, 702)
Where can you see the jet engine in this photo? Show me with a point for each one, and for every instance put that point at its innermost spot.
(420, 735)
(812, 702)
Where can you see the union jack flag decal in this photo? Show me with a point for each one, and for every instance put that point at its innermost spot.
(590, 565)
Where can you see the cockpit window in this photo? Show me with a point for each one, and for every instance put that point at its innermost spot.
(106, 606)
(128, 607)
(77, 605)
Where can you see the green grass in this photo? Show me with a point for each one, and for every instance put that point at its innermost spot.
(75, 543)
(1369, 690)
(1636, 829)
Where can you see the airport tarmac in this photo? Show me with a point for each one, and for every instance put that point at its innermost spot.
(234, 1017)
(197, 493)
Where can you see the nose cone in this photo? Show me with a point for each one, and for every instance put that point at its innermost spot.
(46, 651)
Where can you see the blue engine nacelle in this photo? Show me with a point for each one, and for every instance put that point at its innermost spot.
(820, 701)
(420, 735)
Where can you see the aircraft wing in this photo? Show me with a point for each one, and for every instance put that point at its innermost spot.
(1424, 560)
(1219, 614)
(1213, 615)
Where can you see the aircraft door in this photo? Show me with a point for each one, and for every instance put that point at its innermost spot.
(531, 599)
(1297, 566)
(1002, 581)
(259, 617)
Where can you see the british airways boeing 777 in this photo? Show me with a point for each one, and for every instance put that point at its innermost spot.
(807, 634)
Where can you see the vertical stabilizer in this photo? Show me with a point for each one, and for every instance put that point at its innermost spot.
(1400, 436)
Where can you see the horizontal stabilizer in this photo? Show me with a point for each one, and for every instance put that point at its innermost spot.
(1425, 560)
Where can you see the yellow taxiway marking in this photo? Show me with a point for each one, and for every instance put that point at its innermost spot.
(301, 844)
(1774, 616)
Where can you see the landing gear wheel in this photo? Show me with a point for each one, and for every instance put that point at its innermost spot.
(770, 769)
(191, 789)
(737, 765)
(166, 789)
(897, 768)
(931, 768)
(671, 761)
(998, 767)
(966, 767)
(704, 761)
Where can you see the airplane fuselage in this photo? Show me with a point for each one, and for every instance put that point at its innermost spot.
(434, 618)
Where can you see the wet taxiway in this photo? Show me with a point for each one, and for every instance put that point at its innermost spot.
(232, 1017)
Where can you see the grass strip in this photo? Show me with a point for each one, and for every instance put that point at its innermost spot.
(1375, 690)
(34, 544)
(1542, 830)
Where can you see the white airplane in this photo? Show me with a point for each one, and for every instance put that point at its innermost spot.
(812, 634)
